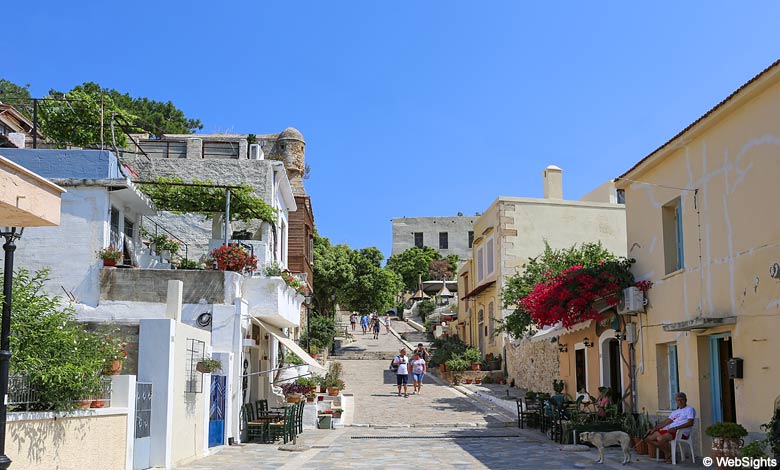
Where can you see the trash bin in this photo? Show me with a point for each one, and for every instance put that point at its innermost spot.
(324, 422)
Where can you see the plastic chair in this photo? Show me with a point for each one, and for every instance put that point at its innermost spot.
(682, 437)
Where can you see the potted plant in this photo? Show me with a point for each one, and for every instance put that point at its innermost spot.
(207, 366)
(337, 413)
(333, 381)
(110, 256)
(726, 439)
(310, 397)
(233, 258)
(294, 391)
(314, 351)
(113, 349)
(558, 386)
(473, 356)
(478, 380)
(488, 379)
(636, 426)
(468, 380)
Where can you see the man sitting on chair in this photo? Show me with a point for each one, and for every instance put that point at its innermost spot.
(665, 431)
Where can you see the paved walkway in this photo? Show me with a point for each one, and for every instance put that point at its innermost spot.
(442, 428)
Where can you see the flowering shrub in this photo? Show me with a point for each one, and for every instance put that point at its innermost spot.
(233, 258)
(294, 282)
(110, 253)
(293, 388)
(569, 297)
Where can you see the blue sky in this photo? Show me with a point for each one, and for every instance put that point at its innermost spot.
(413, 108)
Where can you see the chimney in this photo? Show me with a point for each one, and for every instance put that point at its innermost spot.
(553, 182)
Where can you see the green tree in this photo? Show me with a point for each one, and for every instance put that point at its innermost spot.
(373, 288)
(333, 270)
(58, 355)
(73, 117)
(539, 269)
(13, 93)
(413, 263)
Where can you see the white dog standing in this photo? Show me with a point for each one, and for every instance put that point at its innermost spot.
(605, 439)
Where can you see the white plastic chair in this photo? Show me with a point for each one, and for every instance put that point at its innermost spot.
(684, 436)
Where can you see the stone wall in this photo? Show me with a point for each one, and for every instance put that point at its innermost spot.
(532, 366)
(151, 285)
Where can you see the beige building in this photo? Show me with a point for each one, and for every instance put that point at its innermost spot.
(26, 199)
(511, 231)
(703, 228)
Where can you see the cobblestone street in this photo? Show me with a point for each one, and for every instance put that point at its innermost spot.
(441, 429)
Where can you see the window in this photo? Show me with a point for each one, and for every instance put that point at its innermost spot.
(673, 236)
(471, 238)
(668, 376)
(480, 264)
(114, 237)
(489, 256)
(443, 240)
(621, 196)
(129, 228)
(491, 319)
(418, 239)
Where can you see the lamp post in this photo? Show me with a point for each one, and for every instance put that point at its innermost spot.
(10, 234)
(307, 298)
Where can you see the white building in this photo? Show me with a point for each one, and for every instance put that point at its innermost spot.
(241, 320)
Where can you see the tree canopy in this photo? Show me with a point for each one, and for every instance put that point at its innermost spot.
(355, 277)
(540, 269)
(422, 262)
(73, 117)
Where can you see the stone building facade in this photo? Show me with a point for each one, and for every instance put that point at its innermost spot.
(447, 235)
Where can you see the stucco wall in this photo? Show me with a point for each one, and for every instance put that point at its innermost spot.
(68, 442)
(26, 200)
(70, 249)
(533, 366)
(457, 228)
(190, 410)
(79, 164)
(730, 240)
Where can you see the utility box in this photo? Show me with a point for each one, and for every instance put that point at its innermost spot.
(735, 368)
(324, 422)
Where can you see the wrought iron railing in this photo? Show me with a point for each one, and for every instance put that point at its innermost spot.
(158, 227)
(22, 392)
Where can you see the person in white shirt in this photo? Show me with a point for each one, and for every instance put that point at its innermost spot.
(678, 421)
(402, 373)
(419, 368)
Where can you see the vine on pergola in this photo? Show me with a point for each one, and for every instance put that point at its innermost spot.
(205, 197)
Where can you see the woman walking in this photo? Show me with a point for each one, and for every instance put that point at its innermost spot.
(419, 368)
(375, 326)
(353, 320)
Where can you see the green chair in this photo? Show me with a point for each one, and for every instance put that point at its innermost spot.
(285, 427)
(254, 430)
(261, 407)
(299, 417)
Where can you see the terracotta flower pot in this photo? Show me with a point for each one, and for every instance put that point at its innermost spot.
(322, 389)
(115, 368)
(293, 398)
(98, 404)
(310, 399)
(475, 366)
(478, 381)
(469, 381)
(639, 445)
(320, 397)
(333, 391)
(84, 404)
(442, 368)
(109, 262)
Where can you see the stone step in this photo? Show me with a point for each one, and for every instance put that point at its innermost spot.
(363, 355)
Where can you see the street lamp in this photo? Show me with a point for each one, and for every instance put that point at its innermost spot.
(307, 299)
(10, 234)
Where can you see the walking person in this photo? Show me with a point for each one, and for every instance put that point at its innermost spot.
(375, 325)
(353, 320)
(387, 324)
(364, 323)
(423, 352)
(402, 372)
(419, 368)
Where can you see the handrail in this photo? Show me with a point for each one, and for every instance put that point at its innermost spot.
(156, 225)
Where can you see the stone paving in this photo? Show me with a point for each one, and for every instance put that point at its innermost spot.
(439, 429)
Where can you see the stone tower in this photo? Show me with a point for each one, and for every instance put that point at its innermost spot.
(291, 149)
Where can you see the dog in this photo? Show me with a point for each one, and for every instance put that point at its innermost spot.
(605, 439)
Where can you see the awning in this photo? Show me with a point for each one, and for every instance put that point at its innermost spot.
(478, 289)
(294, 348)
(700, 324)
(558, 330)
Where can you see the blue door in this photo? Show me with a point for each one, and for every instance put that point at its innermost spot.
(217, 411)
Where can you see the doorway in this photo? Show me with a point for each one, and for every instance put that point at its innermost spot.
(724, 407)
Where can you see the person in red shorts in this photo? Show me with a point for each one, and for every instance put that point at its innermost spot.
(679, 420)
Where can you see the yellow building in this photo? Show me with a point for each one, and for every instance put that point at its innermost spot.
(506, 235)
(702, 225)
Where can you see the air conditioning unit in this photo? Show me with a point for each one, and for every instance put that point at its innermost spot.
(632, 301)
(256, 152)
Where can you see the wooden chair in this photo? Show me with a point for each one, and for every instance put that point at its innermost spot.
(285, 427)
(254, 429)
(261, 407)
(299, 417)
(526, 413)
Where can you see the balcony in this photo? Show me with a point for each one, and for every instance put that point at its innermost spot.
(271, 301)
(151, 285)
